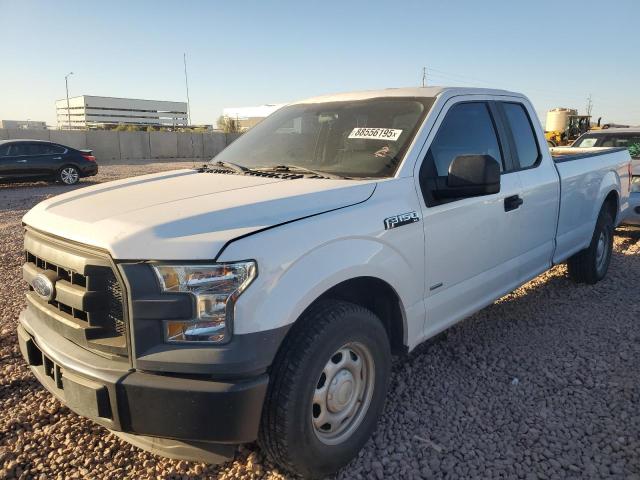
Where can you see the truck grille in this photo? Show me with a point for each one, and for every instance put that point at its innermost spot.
(87, 304)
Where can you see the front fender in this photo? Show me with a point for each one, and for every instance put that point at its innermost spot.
(300, 261)
(281, 299)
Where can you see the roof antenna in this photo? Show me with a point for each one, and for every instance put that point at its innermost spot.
(424, 76)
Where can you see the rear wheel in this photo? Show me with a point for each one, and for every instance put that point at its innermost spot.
(591, 265)
(69, 175)
(328, 386)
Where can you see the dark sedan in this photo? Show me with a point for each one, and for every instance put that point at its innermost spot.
(37, 159)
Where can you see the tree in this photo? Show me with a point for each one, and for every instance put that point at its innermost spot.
(228, 125)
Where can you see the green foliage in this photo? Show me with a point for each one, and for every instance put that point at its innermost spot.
(634, 149)
(228, 125)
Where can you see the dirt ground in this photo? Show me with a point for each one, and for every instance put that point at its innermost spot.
(543, 384)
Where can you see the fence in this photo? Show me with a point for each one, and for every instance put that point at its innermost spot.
(118, 147)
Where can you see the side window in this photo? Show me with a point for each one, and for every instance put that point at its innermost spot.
(523, 134)
(466, 130)
(39, 149)
(631, 142)
(49, 149)
(19, 149)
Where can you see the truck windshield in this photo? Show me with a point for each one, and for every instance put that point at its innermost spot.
(356, 139)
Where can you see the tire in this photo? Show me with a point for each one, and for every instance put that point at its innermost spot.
(319, 357)
(68, 175)
(591, 264)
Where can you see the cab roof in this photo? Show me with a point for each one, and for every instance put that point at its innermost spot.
(30, 140)
(606, 131)
(426, 92)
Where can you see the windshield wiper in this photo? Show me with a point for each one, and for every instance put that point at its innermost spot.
(299, 169)
(231, 166)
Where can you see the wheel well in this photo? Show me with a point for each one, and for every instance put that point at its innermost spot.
(69, 165)
(379, 297)
(611, 203)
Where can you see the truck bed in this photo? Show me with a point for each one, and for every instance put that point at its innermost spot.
(581, 186)
(564, 154)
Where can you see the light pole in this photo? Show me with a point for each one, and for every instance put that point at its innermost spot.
(186, 82)
(66, 82)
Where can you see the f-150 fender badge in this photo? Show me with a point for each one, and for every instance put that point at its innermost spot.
(400, 220)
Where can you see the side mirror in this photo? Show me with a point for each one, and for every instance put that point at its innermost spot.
(470, 176)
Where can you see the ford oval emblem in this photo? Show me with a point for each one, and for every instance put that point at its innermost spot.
(43, 286)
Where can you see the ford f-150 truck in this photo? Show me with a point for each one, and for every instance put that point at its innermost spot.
(263, 295)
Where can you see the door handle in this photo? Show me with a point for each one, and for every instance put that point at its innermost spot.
(512, 202)
(57, 158)
(21, 161)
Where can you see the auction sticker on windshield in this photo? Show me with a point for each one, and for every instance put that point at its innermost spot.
(391, 134)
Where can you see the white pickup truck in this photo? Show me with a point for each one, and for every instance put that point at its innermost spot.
(262, 295)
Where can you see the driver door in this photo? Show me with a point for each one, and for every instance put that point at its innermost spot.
(470, 243)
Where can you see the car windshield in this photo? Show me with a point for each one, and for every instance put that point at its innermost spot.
(356, 139)
(586, 141)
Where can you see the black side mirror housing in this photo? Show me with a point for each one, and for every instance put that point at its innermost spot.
(470, 176)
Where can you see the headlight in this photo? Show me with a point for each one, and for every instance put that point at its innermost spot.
(635, 184)
(215, 289)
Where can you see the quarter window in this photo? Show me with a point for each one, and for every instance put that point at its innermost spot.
(466, 130)
(523, 134)
(53, 149)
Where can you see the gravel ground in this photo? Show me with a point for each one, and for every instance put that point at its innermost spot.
(542, 384)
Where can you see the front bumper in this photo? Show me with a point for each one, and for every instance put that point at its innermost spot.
(633, 217)
(192, 409)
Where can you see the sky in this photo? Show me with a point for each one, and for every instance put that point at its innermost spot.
(246, 53)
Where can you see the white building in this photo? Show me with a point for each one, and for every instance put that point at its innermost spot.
(247, 117)
(23, 124)
(87, 111)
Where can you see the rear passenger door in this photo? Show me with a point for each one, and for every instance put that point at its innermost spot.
(44, 158)
(539, 193)
(470, 243)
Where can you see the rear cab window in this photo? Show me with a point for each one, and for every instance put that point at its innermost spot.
(527, 152)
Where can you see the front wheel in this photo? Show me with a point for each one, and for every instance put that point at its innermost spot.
(68, 175)
(591, 265)
(328, 387)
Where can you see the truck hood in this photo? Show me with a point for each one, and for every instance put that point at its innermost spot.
(185, 214)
